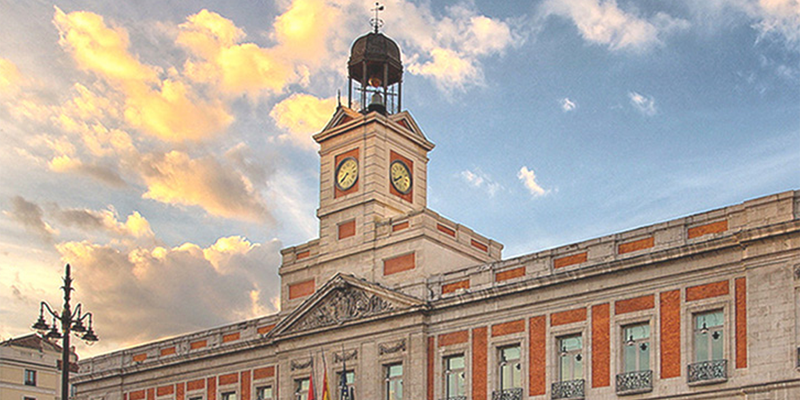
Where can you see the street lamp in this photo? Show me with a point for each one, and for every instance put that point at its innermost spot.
(70, 322)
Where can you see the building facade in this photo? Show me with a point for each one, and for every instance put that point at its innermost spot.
(411, 305)
(30, 369)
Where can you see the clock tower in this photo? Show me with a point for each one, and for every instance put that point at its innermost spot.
(373, 216)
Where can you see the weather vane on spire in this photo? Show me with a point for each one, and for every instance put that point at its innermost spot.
(377, 22)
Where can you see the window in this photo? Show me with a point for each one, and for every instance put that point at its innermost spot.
(394, 381)
(350, 380)
(30, 377)
(228, 396)
(454, 379)
(510, 367)
(708, 336)
(636, 348)
(263, 393)
(301, 389)
(570, 359)
(196, 398)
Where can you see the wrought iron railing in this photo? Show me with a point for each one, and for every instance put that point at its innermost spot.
(708, 371)
(568, 389)
(635, 382)
(507, 394)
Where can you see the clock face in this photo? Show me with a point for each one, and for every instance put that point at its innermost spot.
(347, 173)
(400, 176)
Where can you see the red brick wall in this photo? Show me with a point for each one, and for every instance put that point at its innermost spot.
(568, 317)
(741, 322)
(245, 386)
(508, 328)
(137, 395)
(400, 226)
(265, 329)
(211, 389)
(180, 391)
(537, 384)
(601, 350)
(347, 229)
(707, 229)
(670, 307)
(479, 360)
(301, 289)
(708, 290)
(168, 351)
(570, 260)
(431, 361)
(452, 338)
(446, 229)
(509, 274)
(165, 390)
(303, 254)
(198, 344)
(336, 191)
(634, 304)
(399, 264)
(636, 245)
(195, 385)
(151, 394)
(478, 245)
(139, 357)
(261, 373)
(230, 337)
(452, 287)
(228, 379)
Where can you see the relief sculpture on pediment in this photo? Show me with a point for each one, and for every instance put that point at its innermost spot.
(344, 303)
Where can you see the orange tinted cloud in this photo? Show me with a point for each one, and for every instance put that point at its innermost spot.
(167, 109)
(175, 178)
(10, 77)
(302, 115)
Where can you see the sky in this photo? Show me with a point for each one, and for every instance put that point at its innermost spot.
(163, 148)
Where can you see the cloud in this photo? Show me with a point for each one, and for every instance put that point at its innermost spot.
(65, 163)
(175, 178)
(480, 180)
(31, 217)
(302, 115)
(10, 77)
(135, 225)
(528, 178)
(644, 104)
(603, 22)
(167, 109)
(567, 105)
(221, 283)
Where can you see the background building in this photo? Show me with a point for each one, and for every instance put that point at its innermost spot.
(30, 369)
(420, 307)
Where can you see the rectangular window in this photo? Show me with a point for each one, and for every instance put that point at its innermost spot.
(349, 383)
(708, 336)
(510, 367)
(454, 377)
(264, 393)
(570, 358)
(301, 389)
(228, 396)
(636, 348)
(394, 381)
(196, 398)
(30, 377)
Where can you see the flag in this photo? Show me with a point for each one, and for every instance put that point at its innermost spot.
(326, 394)
(311, 395)
(343, 394)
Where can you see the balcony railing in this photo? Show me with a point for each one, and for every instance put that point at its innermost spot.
(507, 394)
(708, 372)
(635, 382)
(568, 389)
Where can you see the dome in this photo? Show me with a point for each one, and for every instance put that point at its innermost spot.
(374, 50)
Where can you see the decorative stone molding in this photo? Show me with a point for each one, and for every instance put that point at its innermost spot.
(389, 348)
(302, 364)
(345, 356)
(797, 272)
(344, 303)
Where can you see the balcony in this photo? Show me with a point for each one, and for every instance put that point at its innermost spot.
(568, 389)
(635, 382)
(507, 394)
(708, 372)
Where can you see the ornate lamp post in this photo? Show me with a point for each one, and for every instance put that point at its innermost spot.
(70, 322)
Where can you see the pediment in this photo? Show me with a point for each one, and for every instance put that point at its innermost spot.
(343, 300)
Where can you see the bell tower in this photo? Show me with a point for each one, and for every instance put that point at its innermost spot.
(373, 217)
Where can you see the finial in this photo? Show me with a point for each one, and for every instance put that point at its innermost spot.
(339, 98)
(377, 22)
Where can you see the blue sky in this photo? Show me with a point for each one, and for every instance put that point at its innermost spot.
(164, 148)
